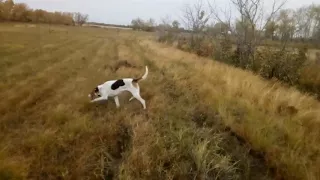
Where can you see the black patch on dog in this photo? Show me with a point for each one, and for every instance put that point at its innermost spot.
(96, 90)
(117, 84)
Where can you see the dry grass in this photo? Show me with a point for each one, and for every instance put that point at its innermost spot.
(202, 121)
(280, 122)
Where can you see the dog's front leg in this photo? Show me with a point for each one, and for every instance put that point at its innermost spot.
(99, 99)
(131, 98)
(116, 100)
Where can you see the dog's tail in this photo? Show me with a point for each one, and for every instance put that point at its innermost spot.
(143, 77)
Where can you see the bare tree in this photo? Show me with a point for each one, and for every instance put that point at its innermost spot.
(287, 24)
(196, 16)
(303, 22)
(80, 18)
(140, 24)
(137, 24)
(19, 12)
(164, 25)
(6, 9)
(315, 13)
(1, 10)
(270, 30)
(175, 24)
(151, 22)
(247, 30)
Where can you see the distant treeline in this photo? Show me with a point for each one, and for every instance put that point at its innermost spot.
(139, 24)
(114, 25)
(277, 49)
(20, 12)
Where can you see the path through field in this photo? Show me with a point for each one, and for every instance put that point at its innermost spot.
(49, 130)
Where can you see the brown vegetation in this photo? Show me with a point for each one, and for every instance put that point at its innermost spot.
(270, 50)
(20, 12)
(204, 119)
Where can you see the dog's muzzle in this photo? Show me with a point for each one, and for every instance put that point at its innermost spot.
(90, 96)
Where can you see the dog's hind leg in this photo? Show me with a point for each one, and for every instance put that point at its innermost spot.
(131, 98)
(136, 94)
(142, 101)
(116, 100)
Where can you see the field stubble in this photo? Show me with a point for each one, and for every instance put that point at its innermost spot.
(204, 120)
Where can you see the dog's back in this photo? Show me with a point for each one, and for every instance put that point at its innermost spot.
(113, 88)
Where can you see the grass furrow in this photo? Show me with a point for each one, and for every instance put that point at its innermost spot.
(41, 85)
(204, 120)
(272, 130)
(31, 53)
(27, 115)
(47, 60)
(193, 113)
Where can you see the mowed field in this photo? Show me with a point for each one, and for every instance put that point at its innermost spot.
(204, 120)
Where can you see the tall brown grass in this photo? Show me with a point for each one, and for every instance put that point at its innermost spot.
(281, 122)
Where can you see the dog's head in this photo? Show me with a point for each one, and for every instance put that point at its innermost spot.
(95, 93)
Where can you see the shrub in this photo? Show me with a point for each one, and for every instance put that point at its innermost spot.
(286, 65)
(204, 47)
(166, 37)
(197, 44)
(281, 64)
(223, 51)
(310, 78)
(317, 60)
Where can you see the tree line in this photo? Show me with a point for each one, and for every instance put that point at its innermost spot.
(150, 25)
(302, 24)
(272, 42)
(20, 12)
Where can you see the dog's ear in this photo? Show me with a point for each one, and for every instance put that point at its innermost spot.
(96, 90)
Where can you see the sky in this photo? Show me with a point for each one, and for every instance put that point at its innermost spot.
(123, 11)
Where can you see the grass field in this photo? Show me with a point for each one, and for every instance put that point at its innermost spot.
(204, 120)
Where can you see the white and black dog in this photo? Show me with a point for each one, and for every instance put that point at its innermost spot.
(113, 88)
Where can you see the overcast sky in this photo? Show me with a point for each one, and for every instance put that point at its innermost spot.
(123, 11)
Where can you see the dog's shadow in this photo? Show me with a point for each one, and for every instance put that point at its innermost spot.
(96, 109)
(104, 107)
